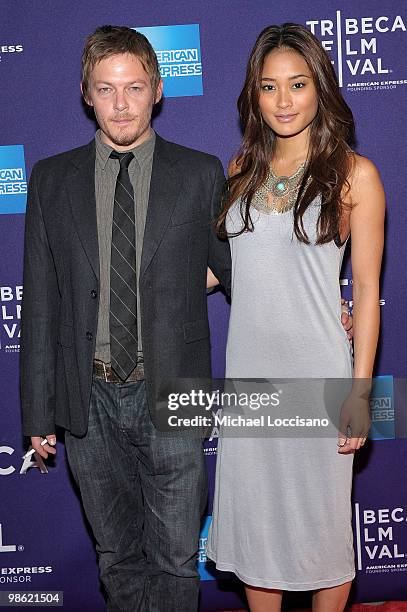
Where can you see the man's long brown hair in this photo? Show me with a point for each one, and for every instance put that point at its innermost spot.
(331, 135)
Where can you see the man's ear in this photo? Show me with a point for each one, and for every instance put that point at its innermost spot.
(86, 98)
(159, 92)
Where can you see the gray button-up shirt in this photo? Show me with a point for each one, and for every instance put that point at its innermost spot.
(106, 171)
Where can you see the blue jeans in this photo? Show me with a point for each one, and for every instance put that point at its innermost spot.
(143, 494)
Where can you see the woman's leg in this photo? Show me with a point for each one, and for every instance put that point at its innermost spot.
(331, 600)
(263, 600)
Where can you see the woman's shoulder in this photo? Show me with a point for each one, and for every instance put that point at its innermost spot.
(364, 179)
(362, 169)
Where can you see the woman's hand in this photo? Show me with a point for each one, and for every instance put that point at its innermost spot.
(346, 319)
(211, 280)
(355, 418)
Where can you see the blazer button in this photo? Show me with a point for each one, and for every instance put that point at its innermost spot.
(89, 335)
(93, 293)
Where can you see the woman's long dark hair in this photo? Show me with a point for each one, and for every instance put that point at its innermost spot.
(331, 135)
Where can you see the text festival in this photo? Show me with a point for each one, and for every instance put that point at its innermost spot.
(10, 299)
(354, 45)
(378, 534)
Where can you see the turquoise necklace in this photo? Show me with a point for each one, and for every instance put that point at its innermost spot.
(284, 191)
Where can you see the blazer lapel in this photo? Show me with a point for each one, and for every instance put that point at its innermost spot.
(165, 186)
(81, 189)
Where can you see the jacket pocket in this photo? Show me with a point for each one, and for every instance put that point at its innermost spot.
(65, 335)
(196, 330)
(189, 223)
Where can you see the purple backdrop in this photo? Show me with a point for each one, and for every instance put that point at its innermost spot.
(40, 48)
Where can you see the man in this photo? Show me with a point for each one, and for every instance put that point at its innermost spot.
(118, 240)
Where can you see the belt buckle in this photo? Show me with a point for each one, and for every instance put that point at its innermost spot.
(105, 371)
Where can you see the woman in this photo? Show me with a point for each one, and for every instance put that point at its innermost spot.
(282, 511)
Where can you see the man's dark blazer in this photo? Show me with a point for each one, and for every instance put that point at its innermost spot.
(61, 279)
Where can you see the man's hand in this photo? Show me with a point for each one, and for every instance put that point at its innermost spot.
(346, 319)
(47, 448)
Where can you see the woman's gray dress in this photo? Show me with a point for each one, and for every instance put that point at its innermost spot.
(282, 509)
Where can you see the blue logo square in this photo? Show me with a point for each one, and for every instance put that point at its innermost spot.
(203, 562)
(382, 409)
(13, 181)
(178, 50)
(206, 567)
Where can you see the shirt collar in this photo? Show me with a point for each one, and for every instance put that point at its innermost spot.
(141, 152)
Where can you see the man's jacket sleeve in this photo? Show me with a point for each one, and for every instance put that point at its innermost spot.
(219, 250)
(39, 322)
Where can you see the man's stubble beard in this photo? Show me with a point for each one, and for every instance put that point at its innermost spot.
(123, 138)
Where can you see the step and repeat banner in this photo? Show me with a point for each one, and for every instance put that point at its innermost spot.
(45, 543)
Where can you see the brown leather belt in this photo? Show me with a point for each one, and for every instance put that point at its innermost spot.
(105, 372)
